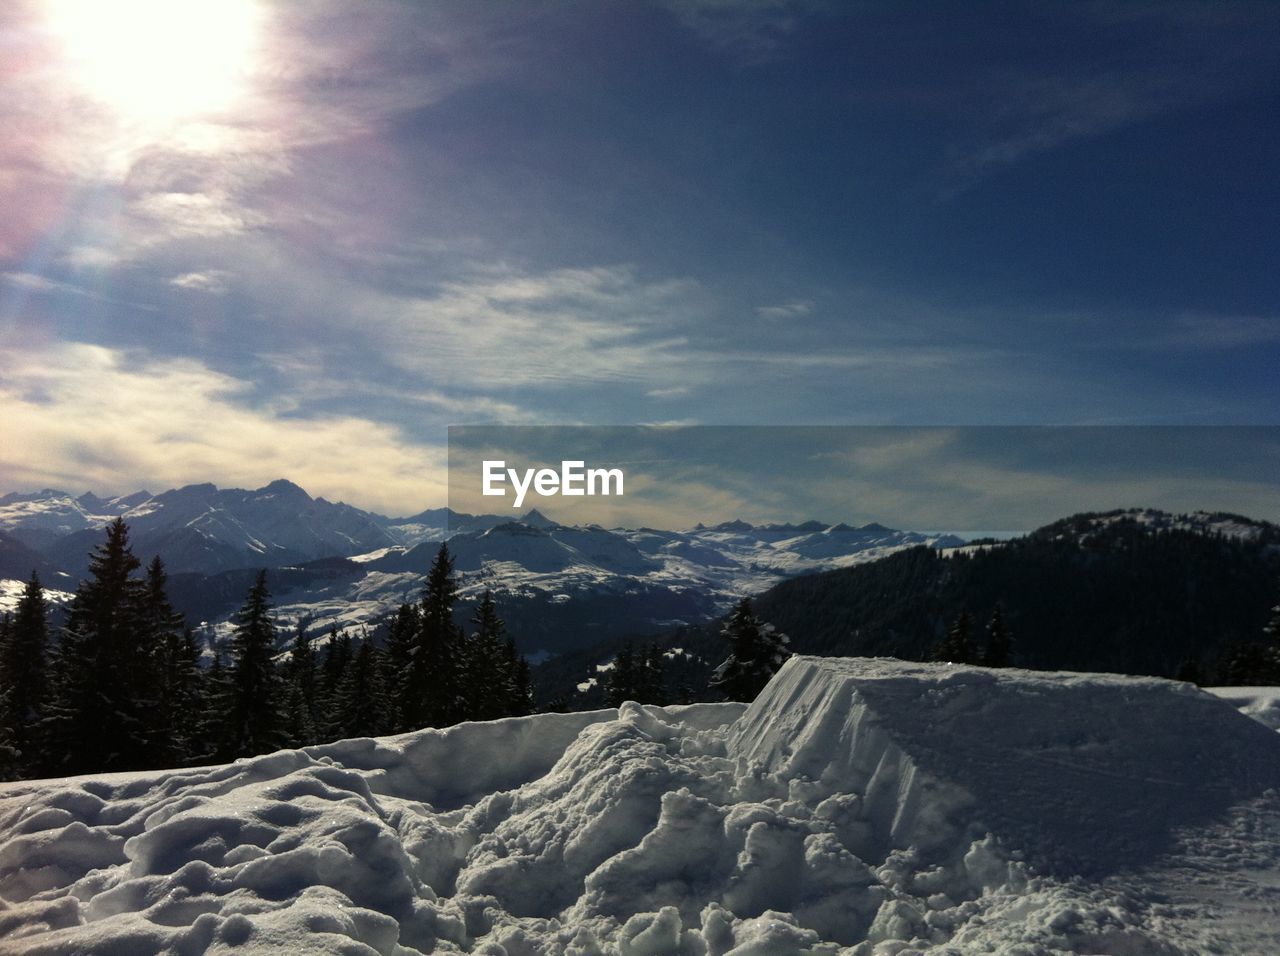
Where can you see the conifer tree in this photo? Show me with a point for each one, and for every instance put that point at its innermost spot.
(432, 692)
(333, 670)
(359, 699)
(23, 680)
(402, 636)
(620, 685)
(650, 676)
(211, 724)
(957, 647)
(756, 651)
(491, 677)
(101, 710)
(999, 652)
(520, 703)
(300, 692)
(1271, 639)
(10, 755)
(175, 666)
(255, 720)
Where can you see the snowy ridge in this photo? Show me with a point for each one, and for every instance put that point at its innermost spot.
(856, 807)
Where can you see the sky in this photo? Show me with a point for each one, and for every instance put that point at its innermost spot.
(246, 240)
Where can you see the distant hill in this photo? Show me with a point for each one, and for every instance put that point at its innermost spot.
(1136, 592)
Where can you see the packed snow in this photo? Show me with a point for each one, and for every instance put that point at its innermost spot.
(858, 807)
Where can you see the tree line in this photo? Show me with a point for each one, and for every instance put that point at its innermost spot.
(121, 686)
(959, 646)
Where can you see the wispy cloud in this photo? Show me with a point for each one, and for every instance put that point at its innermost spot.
(511, 329)
(786, 310)
(1199, 331)
(213, 281)
(753, 32)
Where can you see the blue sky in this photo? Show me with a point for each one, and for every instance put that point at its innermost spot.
(255, 240)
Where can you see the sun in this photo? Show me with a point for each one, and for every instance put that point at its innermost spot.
(155, 63)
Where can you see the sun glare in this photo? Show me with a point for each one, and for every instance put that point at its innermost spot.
(158, 62)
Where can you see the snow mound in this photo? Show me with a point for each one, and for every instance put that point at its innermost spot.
(1057, 763)
(858, 807)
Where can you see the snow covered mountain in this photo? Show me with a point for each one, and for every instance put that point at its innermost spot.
(858, 807)
(202, 528)
(559, 586)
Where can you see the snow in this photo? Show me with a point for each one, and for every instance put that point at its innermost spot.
(865, 807)
(1260, 703)
(11, 595)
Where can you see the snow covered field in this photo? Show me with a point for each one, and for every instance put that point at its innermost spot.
(858, 806)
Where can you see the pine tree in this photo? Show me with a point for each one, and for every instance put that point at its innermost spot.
(211, 725)
(300, 690)
(23, 681)
(520, 704)
(175, 664)
(491, 689)
(10, 755)
(101, 708)
(1271, 639)
(650, 676)
(360, 695)
(255, 721)
(957, 647)
(621, 684)
(333, 671)
(756, 651)
(432, 691)
(999, 651)
(402, 636)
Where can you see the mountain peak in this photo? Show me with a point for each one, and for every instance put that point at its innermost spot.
(536, 519)
(284, 488)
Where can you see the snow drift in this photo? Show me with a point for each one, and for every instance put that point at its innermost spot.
(858, 806)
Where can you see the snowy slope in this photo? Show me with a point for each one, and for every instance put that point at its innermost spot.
(858, 806)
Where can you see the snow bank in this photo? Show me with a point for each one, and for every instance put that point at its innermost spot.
(1260, 703)
(860, 807)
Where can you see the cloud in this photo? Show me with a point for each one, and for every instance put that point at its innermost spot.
(28, 280)
(672, 391)
(1200, 331)
(213, 281)
(787, 310)
(508, 329)
(85, 417)
(752, 32)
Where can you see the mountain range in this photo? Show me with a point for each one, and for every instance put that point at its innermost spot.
(558, 586)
